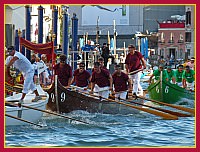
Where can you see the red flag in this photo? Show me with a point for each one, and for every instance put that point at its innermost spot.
(40, 48)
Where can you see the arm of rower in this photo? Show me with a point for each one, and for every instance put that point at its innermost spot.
(143, 63)
(150, 78)
(10, 64)
(184, 83)
(69, 81)
(173, 79)
(12, 61)
(92, 86)
(127, 70)
(130, 85)
(72, 80)
(111, 81)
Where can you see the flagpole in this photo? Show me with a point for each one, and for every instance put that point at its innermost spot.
(19, 36)
(97, 35)
(108, 40)
(114, 37)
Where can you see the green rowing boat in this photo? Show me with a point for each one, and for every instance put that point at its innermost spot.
(169, 93)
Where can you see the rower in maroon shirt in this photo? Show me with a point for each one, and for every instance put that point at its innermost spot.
(81, 76)
(101, 80)
(121, 82)
(133, 65)
(101, 62)
(64, 71)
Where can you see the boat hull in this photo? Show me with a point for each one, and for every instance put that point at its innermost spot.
(70, 100)
(169, 93)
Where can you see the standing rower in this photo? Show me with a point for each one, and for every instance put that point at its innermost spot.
(133, 64)
(24, 65)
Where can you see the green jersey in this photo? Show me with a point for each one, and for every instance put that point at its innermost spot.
(189, 76)
(178, 75)
(156, 73)
(170, 74)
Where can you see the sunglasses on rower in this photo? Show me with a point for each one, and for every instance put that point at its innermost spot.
(81, 67)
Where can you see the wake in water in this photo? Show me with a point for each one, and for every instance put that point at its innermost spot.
(186, 102)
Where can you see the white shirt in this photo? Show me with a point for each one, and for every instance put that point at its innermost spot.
(8, 59)
(22, 64)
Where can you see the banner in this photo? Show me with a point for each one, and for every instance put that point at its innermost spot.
(46, 48)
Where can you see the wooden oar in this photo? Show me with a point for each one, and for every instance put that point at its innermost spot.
(160, 109)
(23, 120)
(190, 110)
(157, 113)
(49, 112)
(134, 72)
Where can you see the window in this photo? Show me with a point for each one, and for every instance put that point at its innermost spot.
(188, 37)
(188, 17)
(181, 53)
(162, 52)
(188, 52)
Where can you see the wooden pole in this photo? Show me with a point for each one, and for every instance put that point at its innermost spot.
(56, 93)
(49, 112)
(190, 110)
(20, 119)
(157, 113)
(160, 109)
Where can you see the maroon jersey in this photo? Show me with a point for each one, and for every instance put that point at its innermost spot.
(81, 79)
(120, 82)
(63, 73)
(133, 61)
(101, 79)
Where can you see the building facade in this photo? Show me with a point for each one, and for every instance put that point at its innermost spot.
(176, 37)
(130, 19)
(190, 34)
(171, 39)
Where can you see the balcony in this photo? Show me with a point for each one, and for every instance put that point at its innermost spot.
(180, 41)
(171, 41)
(161, 42)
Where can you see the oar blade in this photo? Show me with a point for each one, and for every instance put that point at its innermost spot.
(190, 110)
(154, 112)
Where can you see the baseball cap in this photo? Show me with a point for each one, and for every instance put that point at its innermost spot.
(131, 46)
(187, 67)
(63, 57)
(10, 48)
(169, 67)
(161, 65)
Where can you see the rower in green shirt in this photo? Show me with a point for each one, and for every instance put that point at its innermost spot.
(157, 72)
(178, 73)
(170, 74)
(188, 78)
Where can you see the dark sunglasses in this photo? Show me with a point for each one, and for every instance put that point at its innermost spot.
(62, 61)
